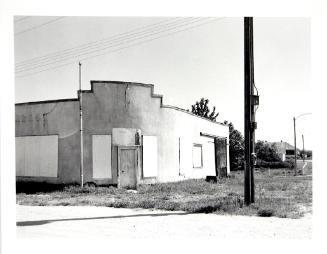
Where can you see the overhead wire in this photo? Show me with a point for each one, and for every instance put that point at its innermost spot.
(21, 19)
(96, 44)
(104, 48)
(87, 44)
(38, 26)
(112, 51)
(116, 42)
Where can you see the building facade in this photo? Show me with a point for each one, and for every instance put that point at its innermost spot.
(129, 137)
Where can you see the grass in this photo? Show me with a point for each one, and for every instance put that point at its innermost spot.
(277, 194)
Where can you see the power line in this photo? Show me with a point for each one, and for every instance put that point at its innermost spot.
(95, 44)
(86, 44)
(112, 51)
(104, 48)
(119, 42)
(100, 43)
(35, 27)
(21, 19)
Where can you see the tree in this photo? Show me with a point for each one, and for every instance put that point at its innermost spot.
(201, 108)
(236, 148)
(266, 152)
(236, 140)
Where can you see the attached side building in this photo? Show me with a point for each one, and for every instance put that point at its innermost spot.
(130, 137)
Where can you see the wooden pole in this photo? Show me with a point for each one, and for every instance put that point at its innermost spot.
(81, 124)
(247, 109)
(252, 115)
(295, 154)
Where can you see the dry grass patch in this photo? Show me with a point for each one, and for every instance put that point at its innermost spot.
(276, 195)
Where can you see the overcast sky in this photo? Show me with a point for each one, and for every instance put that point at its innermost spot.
(203, 59)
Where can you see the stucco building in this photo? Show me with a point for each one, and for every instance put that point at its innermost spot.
(129, 136)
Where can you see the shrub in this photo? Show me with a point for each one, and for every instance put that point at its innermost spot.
(266, 212)
(236, 149)
(266, 152)
(146, 204)
(118, 204)
(224, 204)
(168, 205)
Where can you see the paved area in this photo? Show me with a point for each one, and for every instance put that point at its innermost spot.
(89, 222)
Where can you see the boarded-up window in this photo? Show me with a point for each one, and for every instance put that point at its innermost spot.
(197, 156)
(150, 156)
(185, 155)
(37, 156)
(101, 150)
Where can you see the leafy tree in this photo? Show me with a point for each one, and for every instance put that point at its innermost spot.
(236, 140)
(201, 108)
(266, 152)
(236, 148)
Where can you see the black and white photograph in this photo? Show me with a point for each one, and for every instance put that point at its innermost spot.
(152, 127)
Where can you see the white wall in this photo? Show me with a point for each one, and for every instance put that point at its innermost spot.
(101, 151)
(150, 156)
(187, 169)
(37, 156)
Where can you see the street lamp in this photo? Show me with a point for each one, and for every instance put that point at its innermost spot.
(295, 153)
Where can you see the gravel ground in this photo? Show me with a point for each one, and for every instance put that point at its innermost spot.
(92, 222)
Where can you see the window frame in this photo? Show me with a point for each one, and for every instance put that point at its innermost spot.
(201, 146)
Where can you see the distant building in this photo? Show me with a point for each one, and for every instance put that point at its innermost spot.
(130, 137)
(284, 149)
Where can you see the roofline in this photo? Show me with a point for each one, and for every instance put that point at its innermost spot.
(93, 82)
(153, 95)
(46, 101)
(120, 82)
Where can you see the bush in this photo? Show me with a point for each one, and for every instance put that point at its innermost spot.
(236, 149)
(266, 152)
(266, 212)
(210, 205)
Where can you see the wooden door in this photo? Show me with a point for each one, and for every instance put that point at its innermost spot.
(221, 156)
(127, 167)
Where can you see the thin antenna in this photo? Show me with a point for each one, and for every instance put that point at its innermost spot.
(81, 122)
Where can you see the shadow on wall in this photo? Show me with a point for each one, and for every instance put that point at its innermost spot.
(36, 187)
(33, 187)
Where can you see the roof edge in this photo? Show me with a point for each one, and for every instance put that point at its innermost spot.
(46, 101)
(151, 86)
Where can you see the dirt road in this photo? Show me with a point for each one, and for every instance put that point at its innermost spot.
(86, 221)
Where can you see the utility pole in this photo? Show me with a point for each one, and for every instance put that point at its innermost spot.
(81, 123)
(247, 116)
(295, 153)
(250, 101)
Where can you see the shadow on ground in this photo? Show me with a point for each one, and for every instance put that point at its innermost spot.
(42, 222)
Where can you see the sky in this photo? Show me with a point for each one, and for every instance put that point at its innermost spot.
(186, 58)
